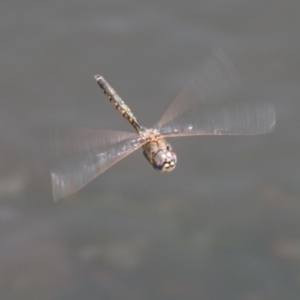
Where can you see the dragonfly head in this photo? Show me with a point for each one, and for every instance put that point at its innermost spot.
(165, 160)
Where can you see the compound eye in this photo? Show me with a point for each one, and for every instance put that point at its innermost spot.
(172, 156)
(170, 163)
(159, 160)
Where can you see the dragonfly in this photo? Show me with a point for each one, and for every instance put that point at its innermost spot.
(199, 109)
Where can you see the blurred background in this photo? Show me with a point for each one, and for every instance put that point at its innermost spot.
(224, 225)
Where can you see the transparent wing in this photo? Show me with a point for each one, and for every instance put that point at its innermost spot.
(234, 119)
(206, 106)
(72, 139)
(216, 76)
(87, 153)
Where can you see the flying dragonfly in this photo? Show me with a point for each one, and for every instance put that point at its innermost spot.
(198, 110)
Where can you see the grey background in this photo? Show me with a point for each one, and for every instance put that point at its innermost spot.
(223, 225)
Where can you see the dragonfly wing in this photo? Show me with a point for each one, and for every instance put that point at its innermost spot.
(203, 107)
(216, 76)
(71, 139)
(87, 155)
(233, 119)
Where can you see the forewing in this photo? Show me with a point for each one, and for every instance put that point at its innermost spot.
(233, 119)
(86, 155)
(72, 139)
(205, 108)
(216, 77)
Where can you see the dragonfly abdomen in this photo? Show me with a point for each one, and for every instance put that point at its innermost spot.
(118, 103)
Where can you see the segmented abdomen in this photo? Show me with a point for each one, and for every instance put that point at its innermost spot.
(118, 103)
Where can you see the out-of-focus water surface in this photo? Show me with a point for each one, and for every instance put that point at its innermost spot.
(224, 225)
